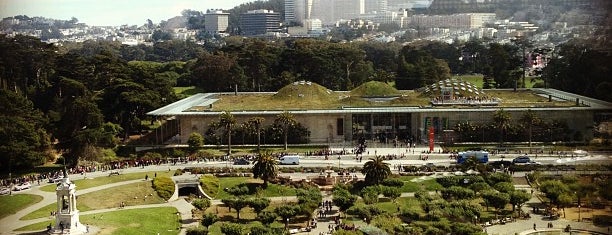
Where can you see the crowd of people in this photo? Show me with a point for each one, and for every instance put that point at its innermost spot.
(469, 100)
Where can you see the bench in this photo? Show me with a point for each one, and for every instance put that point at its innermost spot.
(114, 173)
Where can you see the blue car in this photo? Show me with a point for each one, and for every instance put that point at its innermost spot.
(522, 159)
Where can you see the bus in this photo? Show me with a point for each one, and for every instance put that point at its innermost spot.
(482, 156)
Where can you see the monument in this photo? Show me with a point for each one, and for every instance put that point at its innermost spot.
(67, 217)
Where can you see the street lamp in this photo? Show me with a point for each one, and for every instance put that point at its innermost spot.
(578, 212)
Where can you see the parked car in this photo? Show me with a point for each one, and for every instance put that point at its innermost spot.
(241, 161)
(22, 186)
(55, 179)
(4, 191)
(522, 159)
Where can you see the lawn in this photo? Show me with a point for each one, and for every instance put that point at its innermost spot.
(160, 220)
(131, 194)
(273, 190)
(104, 180)
(411, 187)
(10, 204)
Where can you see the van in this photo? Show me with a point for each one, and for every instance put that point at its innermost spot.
(289, 160)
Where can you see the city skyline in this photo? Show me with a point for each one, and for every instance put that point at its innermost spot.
(110, 12)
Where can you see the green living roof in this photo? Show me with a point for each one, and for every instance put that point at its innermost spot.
(311, 96)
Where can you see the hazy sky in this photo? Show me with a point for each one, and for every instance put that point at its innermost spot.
(110, 12)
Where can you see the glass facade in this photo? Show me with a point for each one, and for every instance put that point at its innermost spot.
(382, 127)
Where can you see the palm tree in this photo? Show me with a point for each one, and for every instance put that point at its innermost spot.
(227, 121)
(256, 123)
(286, 120)
(265, 168)
(376, 170)
(501, 119)
(530, 119)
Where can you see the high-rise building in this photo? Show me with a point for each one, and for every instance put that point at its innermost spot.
(290, 10)
(259, 22)
(330, 11)
(216, 21)
(375, 6)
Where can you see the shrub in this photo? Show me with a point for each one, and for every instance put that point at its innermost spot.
(209, 219)
(197, 231)
(232, 229)
(164, 186)
(178, 172)
(393, 182)
(602, 220)
(201, 204)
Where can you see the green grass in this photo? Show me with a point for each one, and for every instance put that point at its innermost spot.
(132, 194)
(411, 187)
(273, 190)
(10, 204)
(162, 220)
(42, 212)
(210, 185)
(104, 180)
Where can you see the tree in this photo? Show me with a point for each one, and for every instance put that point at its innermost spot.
(195, 141)
(256, 123)
(565, 200)
(392, 193)
(553, 189)
(370, 194)
(265, 168)
(457, 193)
(24, 141)
(501, 120)
(530, 119)
(496, 199)
(518, 198)
(209, 219)
(227, 121)
(266, 217)
(376, 170)
(237, 203)
(343, 199)
(286, 120)
(504, 187)
(287, 212)
(259, 204)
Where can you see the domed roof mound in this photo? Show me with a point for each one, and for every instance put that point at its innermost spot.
(375, 89)
(304, 90)
(458, 88)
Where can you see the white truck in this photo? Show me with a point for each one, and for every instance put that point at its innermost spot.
(289, 160)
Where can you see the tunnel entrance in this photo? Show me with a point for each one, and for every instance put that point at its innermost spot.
(186, 191)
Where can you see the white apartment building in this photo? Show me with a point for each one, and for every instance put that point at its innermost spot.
(455, 21)
(216, 22)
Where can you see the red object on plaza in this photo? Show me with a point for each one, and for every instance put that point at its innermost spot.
(431, 139)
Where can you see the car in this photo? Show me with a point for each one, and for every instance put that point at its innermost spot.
(4, 191)
(241, 161)
(22, 186)
(56, 179)
(521, 159)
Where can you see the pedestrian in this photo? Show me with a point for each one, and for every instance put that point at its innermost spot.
(146, 177)
(534, 226)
